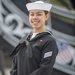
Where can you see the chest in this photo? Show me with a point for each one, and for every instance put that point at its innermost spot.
(32, 50)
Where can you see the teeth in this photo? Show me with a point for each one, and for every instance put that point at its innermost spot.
(35, 22)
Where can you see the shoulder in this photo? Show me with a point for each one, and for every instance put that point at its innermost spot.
(22, 39)
(25, 37)
(49, 38)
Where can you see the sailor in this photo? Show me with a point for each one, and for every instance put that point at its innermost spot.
(35, 54)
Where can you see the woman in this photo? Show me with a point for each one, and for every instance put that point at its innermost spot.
(36, 54)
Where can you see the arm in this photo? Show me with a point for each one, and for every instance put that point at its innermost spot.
(14, 67)
(49, 52)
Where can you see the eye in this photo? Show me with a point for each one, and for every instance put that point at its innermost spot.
(39, 14)
(32, 14)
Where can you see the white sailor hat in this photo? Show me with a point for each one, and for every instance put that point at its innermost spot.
(38, 5)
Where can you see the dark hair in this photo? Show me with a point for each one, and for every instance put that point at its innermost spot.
(46, 12)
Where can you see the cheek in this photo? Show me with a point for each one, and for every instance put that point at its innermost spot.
(43, 19)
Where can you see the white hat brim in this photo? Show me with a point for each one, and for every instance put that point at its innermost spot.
(39, 6)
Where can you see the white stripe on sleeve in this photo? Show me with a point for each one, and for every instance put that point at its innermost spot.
(48, 54)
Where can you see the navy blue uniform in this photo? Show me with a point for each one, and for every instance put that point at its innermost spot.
(36, 56)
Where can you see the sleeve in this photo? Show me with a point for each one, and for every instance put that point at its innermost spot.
(49, 52)
(14, 67)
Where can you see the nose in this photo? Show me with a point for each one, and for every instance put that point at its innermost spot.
(35, 17)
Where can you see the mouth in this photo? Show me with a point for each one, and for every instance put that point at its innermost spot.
(35, 22)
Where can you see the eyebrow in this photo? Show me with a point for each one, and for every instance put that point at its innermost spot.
(36, 12)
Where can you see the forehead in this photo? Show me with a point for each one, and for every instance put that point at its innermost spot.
(36, 11)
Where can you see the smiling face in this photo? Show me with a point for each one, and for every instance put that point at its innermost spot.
(37, 19)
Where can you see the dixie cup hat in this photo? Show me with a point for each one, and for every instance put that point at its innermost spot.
(39, 5)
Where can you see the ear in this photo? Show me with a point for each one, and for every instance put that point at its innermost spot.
(47, 16)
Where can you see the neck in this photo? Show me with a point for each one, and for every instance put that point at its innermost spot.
(39, 30)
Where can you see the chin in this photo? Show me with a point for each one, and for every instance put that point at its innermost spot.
(36, 27)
